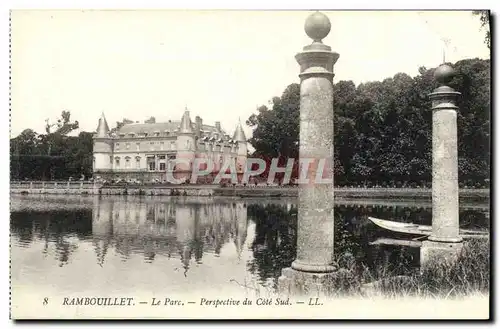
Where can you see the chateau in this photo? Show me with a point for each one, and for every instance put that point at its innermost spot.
(147, 151)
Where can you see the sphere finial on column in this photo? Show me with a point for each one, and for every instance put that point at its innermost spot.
(444, 73)
(317, 26)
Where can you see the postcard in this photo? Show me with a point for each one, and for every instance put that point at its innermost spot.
(244, 164)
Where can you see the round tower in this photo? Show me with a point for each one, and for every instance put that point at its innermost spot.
(103, 147)
(241, 151)
(186, 145)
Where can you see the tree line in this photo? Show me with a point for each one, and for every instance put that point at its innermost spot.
(383, 132)
(52, 155)
(383, 129)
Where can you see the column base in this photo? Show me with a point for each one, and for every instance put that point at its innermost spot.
(432, 252)
(300, 283)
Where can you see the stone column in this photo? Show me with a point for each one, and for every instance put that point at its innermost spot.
(445, 240)
(312, 270)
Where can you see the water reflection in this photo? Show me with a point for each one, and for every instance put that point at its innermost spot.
(274, 246)
(261, 235)
(174, 228)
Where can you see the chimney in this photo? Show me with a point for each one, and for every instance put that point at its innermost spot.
(199, 125)
(217, 126)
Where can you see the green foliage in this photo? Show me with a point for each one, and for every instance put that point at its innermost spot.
(120, 124)
(383, 129)
(484, 16)
(53, 155)
(276, 130)
(468, 274)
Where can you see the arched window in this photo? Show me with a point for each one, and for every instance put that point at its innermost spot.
(127, 162)
(138, 162)
(117, 162)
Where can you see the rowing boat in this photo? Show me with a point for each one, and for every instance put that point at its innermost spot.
(418, 229)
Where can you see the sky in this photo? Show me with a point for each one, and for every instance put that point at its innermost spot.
(221, 65)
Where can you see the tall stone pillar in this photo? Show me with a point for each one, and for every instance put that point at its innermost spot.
(312, 270)
(445, 241)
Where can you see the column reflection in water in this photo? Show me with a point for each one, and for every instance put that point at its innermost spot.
(185, 231)
(240, 212)
(102, 228)
(172, 228)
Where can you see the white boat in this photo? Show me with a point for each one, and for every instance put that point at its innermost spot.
(411, 228)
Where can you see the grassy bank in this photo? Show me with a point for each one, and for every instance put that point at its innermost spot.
(469, 275)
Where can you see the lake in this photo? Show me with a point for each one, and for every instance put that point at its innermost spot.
(88, 245)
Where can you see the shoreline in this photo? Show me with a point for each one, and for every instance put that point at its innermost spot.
(240, 192)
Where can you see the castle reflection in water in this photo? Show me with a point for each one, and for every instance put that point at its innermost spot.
(252, 236)
(172, 229)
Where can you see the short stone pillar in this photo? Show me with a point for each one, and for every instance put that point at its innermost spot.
(445, 242)
(314, 269)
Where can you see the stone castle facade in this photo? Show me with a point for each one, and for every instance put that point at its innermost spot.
(148, 151)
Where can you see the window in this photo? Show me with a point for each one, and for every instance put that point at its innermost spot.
(151, 163)
(137, 162)
(110, 159)
(117, 146)
(127, 146)
(117, 162)
(171, 163)
(127, 162)
(161, 145)
(162, 166)
(93, 162)
(138, 146)
(161, 157)
(152, 145)
(172, 145)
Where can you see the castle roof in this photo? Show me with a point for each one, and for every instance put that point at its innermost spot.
(151, 128)
(186, 126)
(102, 128)
(239, 134)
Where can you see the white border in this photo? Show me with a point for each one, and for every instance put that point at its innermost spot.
(186, 4)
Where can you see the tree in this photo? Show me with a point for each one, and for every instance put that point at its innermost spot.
(150, 120)
(120, 124)
(484, 16)
(383, 129)
(63, 125)
(276, 130)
